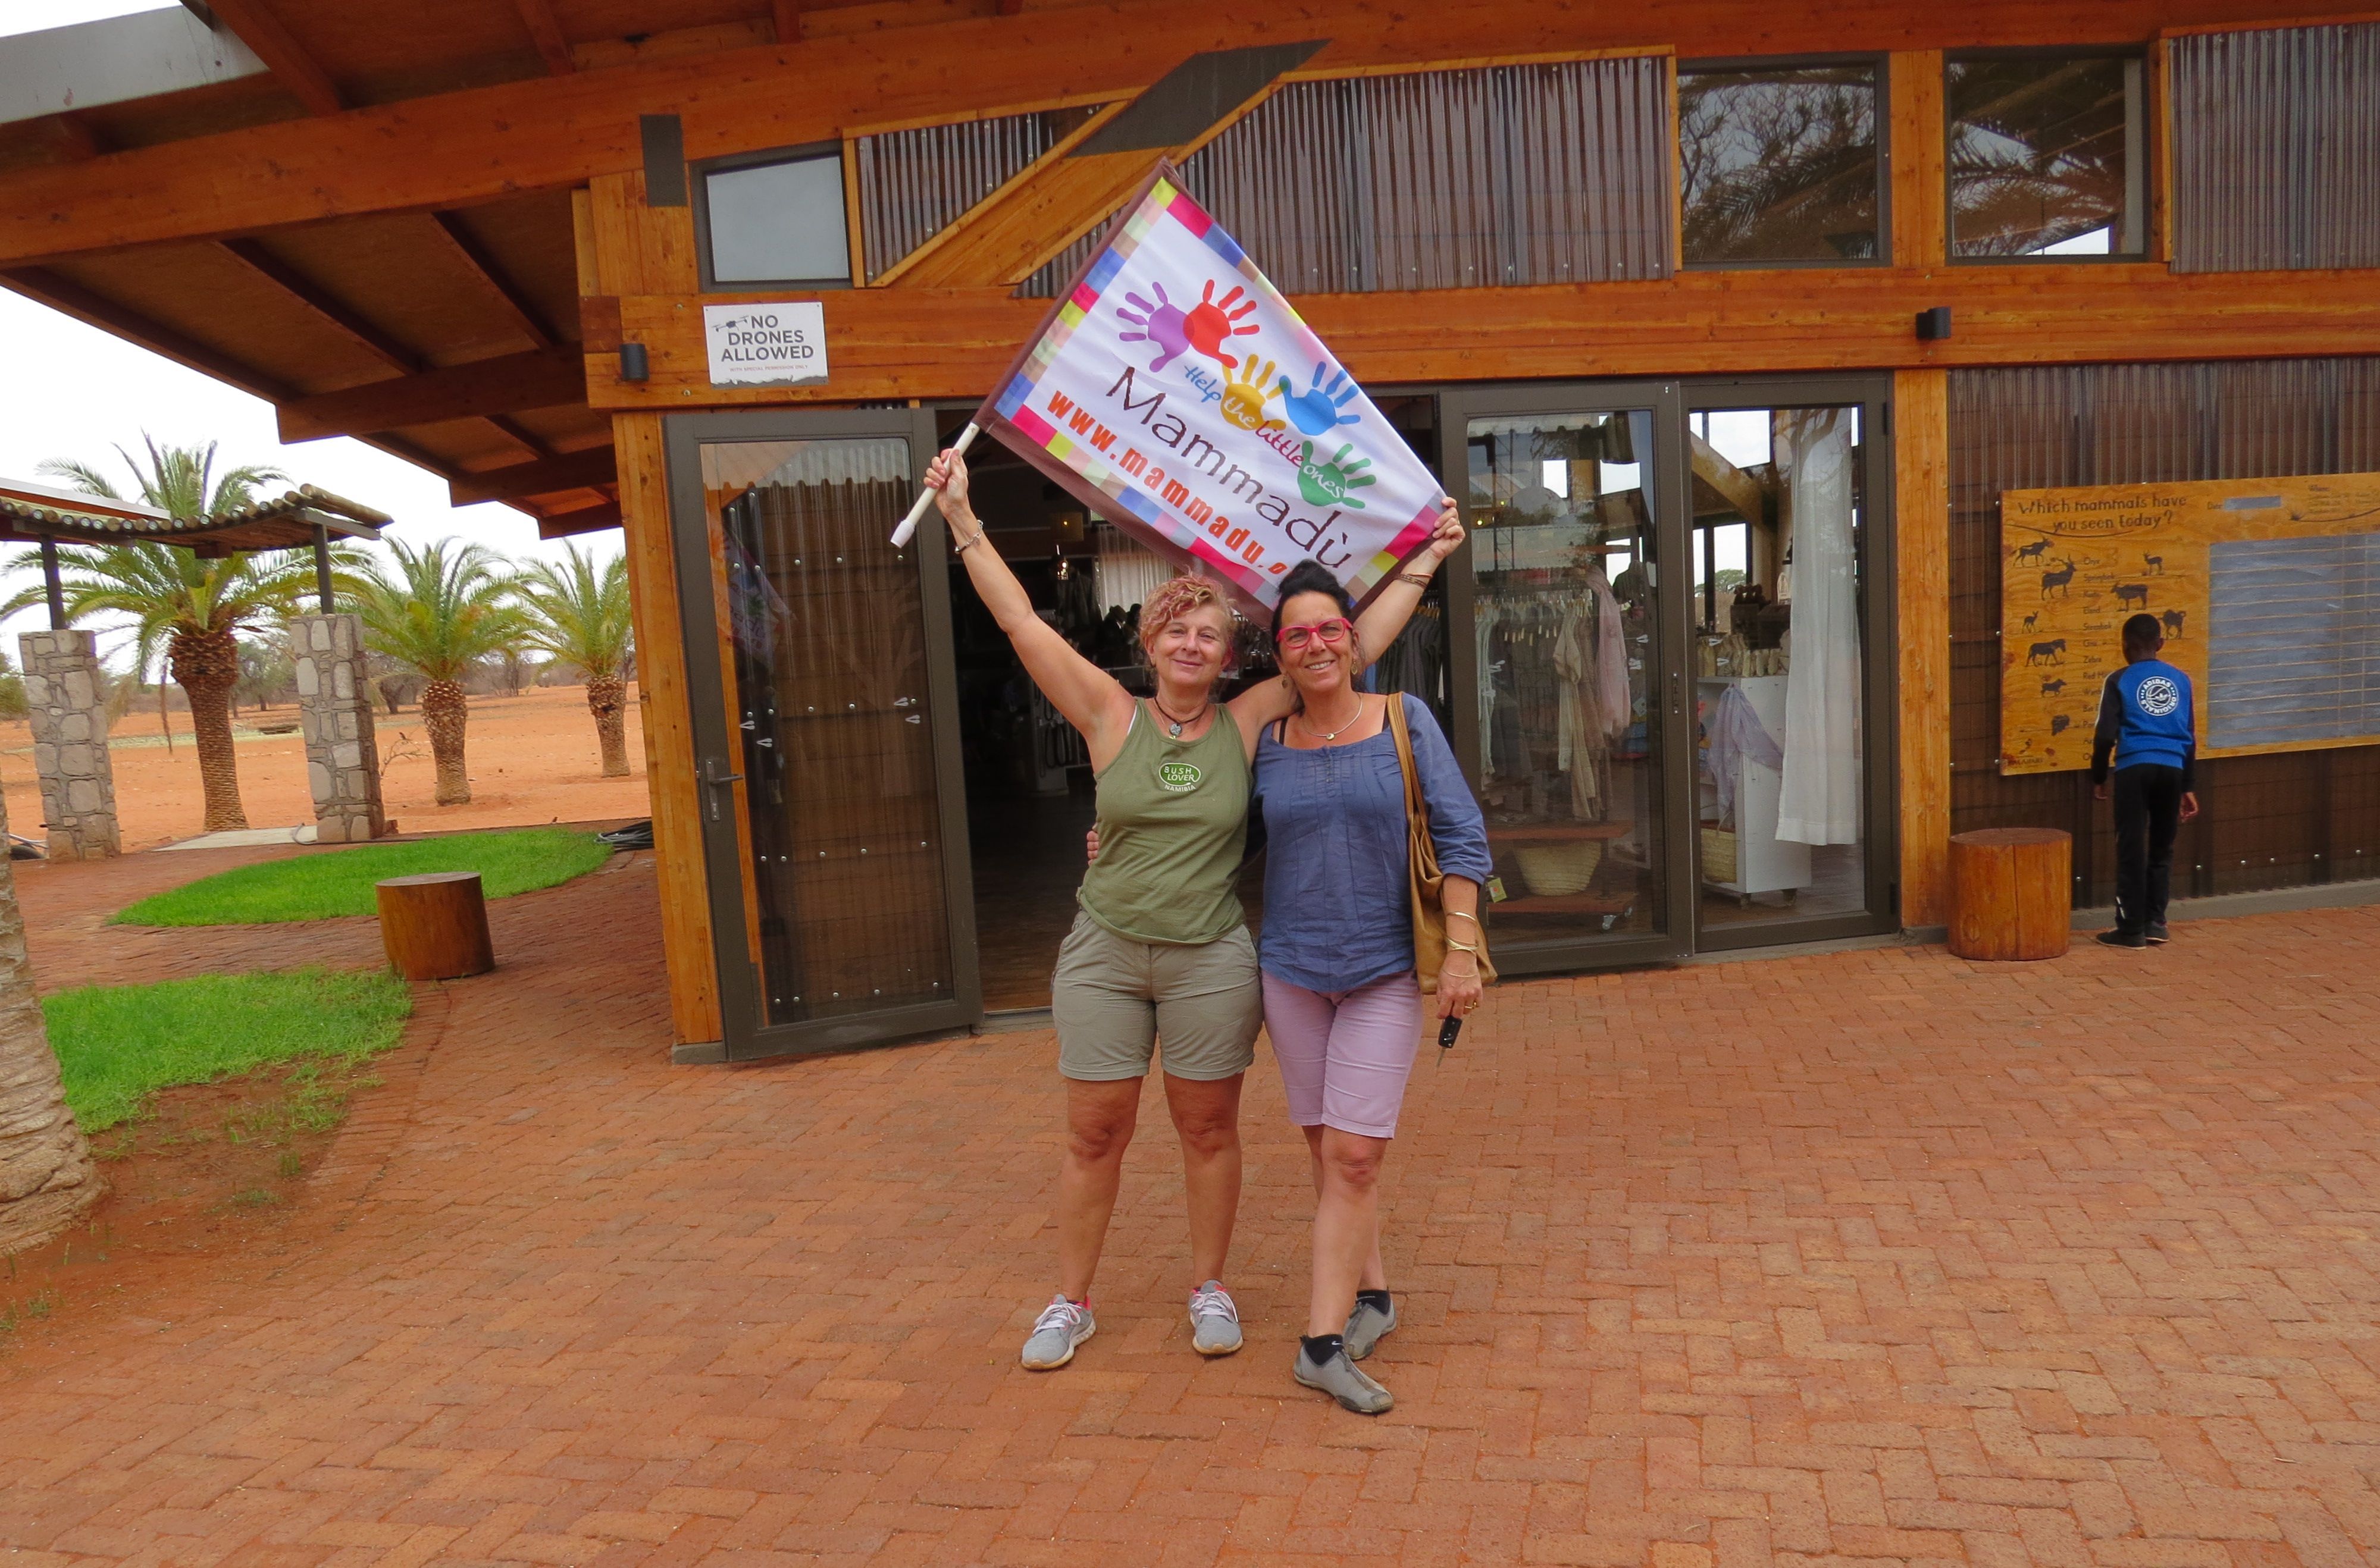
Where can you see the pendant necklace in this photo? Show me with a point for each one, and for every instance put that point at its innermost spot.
(1306, 722)
(1174, 725)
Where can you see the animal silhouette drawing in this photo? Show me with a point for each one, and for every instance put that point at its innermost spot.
(2153, 564)
(2059, 724)
(2061, 580)
(2034, 550)
(2172, 619)
(2051, 688)
(2030, 620)
(2131, 593)
(2050, 652)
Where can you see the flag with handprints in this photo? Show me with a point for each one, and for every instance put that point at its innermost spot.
(1176, 393)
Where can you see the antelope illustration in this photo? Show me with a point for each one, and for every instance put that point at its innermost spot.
(2050, 652)
(2029, 620)
(2153, 564)
(2131, 593)
(2173, 620)
(2051, 688)
(2034, 550)
(2061, 580)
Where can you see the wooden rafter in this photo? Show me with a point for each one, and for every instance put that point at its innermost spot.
(1732, 485)
(499, 285)
(787, 15)
(306, 292)
(514, 430)
(73, 140)
(63, 293)
(510, 383)
(253, 24)
(547, 475)
(537, 16)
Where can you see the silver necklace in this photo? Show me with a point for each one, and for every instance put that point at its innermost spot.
(1175, 725)
(1306, 722)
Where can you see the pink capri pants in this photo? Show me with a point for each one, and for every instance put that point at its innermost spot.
(1345, 1055)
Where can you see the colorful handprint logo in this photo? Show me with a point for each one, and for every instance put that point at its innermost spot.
(1206, 326)
(1316, 411)
(1245, 394)
(1335, 482)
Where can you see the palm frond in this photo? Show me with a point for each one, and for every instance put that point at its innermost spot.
(578, 612)
(441, 610)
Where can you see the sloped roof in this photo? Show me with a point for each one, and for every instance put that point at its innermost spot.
(284, 522)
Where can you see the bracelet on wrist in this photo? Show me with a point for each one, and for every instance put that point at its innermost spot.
(1418, 579)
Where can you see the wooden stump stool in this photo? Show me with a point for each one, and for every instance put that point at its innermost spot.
(2008, 893)
(435, 926)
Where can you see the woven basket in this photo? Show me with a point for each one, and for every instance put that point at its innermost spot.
(1559, 869)
(1718, 855)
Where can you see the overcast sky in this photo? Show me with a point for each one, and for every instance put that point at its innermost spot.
(79, 392)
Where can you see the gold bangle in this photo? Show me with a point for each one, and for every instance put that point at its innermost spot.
(1454, 947)
(1418, 579)
(1466, 914)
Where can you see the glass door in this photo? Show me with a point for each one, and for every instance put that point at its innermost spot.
(1793, 817)
(825, 729)
(1570, 709)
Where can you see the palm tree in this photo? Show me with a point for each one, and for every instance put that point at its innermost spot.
(46, 1179)
(578, 614)
(444, 609)
(190, 607)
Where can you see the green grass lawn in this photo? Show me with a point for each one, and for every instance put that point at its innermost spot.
(118, 1044)
(339, 882)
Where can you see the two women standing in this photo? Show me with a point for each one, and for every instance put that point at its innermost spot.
(1160, 953)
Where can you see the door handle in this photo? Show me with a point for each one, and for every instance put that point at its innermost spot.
(717, 780)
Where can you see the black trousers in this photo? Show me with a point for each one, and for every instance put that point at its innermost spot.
(2148, 816)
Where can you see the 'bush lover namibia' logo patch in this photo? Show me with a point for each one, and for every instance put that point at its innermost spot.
(1178, 777)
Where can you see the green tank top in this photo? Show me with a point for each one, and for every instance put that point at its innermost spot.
(1173, 823)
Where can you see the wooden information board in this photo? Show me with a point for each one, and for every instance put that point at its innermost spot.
(2268, 591)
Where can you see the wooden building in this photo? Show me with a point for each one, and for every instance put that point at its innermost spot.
(1731, 325)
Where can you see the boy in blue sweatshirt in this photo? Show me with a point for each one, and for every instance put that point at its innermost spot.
(2148, 719)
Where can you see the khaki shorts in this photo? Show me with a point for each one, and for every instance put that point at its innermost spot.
(1114, 999)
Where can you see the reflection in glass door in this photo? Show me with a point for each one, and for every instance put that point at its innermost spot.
(1565, 728)
(1782, 668)
(829, 780)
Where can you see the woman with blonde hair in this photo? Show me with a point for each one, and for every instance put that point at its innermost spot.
(1160, 949)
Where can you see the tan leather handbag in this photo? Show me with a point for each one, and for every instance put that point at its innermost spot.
(1428, 913)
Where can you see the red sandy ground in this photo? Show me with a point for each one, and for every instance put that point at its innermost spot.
(533, 759)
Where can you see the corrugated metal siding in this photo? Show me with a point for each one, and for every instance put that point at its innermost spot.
(1445, 179)
(2276, 148)
(2286, 820)
(913, 182)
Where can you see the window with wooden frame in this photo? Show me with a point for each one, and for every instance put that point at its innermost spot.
(2048, 156)
(1781, 164)
(774, 220)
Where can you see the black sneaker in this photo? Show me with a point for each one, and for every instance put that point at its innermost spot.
(2157, 936)
(2115, 938)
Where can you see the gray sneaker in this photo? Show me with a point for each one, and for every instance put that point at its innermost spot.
(1342, 1380)
(1061, 1326)
(1365, 1324)
(1214, 1321)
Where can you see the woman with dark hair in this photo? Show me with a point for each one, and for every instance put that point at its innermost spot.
(1341, 1002)
(1160, 951)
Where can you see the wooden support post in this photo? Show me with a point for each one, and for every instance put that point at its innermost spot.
(322, 569)
(56, 590)
(1921, 220)
(624, 245)
(1921, 425)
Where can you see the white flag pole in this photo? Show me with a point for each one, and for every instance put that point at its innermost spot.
(924, 498)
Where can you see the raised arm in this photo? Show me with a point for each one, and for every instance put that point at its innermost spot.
(1382, 621)
(1091, 698)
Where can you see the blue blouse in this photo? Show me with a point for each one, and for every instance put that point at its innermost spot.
(1338, 909)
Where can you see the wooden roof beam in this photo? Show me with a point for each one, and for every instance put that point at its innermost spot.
(511, 383)
(287, 59)
(306, 292)
(1732, 485)
(63, 293)
(500, 286)
(787, 15)
(537, 16)
(547, 475)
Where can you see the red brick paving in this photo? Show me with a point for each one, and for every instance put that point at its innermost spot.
(1876, 1256)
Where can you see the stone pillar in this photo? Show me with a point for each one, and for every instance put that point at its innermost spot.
(69, 705)
(334, 709)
